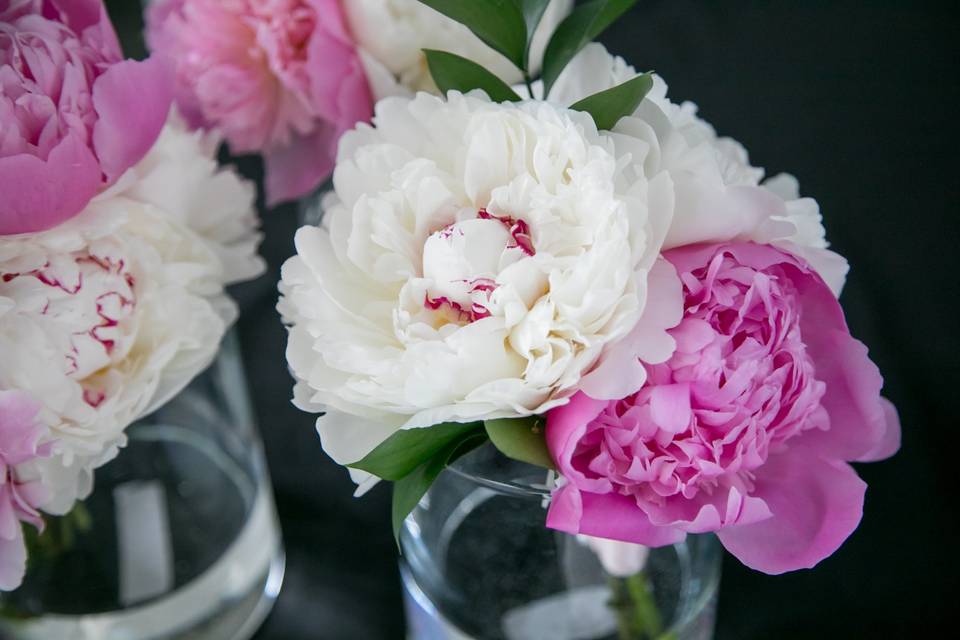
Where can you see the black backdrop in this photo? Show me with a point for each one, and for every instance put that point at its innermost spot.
(858, 100)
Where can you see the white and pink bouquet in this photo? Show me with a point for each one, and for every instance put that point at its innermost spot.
(118, 234)
(584, 273)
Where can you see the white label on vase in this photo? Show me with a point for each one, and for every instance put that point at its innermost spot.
(145, 552)
(580, 614)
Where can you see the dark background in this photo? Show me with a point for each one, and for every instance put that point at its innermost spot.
(859, 100)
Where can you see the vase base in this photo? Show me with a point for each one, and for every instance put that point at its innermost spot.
(230, 601)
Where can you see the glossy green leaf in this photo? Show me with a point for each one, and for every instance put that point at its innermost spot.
(406, 450)
(499, 23)
(451, 72)
(522, 439)
(532, 11)
(607, 107)
(582, 26)
(408, 491)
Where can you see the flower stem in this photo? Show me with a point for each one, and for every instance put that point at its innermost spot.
(637, 614)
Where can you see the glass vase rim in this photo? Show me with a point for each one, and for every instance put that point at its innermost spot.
(518, 485)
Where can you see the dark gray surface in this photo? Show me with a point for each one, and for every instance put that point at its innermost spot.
(859, 101)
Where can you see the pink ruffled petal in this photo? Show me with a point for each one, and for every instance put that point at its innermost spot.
(711, 513)
(40, 194)
(816, 505)
(132, 100)
(670, 406)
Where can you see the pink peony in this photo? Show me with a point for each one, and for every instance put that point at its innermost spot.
(746, 430)
(19, 442)
(74, 115)
(278, 77)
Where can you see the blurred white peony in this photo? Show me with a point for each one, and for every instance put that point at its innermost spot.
(105, 317)
(719, 195)
(475, 261)
(391, 34)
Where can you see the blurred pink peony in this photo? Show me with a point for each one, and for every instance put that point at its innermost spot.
(19, 442)
(746, 430)
(278, 77)
(74, 115)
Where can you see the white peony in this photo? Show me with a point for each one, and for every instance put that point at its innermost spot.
(391, 34)
(475, 261)
(719, 195)
(108, 315)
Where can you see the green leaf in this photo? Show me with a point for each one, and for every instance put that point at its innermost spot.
(498, 23)
(607, 107)
(406, 450)
(522, 439)
(451, 72)
(408, 491)
(583, 25)
(532, 11)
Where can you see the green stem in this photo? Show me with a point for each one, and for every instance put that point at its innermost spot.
(637, 614)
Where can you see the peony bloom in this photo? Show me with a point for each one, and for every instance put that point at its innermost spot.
(719, 196)
(391, 36)
(20, 434)
(476, 260)
(74, 115)
(277, 77)
(747, 430)
(108, 315)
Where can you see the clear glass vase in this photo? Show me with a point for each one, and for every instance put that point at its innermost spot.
(179, 538)
(479, 563)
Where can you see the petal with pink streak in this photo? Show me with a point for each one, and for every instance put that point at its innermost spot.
(132, 100)
(40, 194)
(816, 505)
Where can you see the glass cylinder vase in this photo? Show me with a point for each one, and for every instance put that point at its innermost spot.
(179, 538)
(479, 563)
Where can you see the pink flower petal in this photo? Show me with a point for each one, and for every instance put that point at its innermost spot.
(610, 515)
(567, 424)
(300, 167)
(13, 559)
(40, 194)
(132, 100)
(19, 432)
(670, 406)
(816, 505)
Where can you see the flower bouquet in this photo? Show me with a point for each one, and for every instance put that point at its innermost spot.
(118, 235)
(574, 274)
